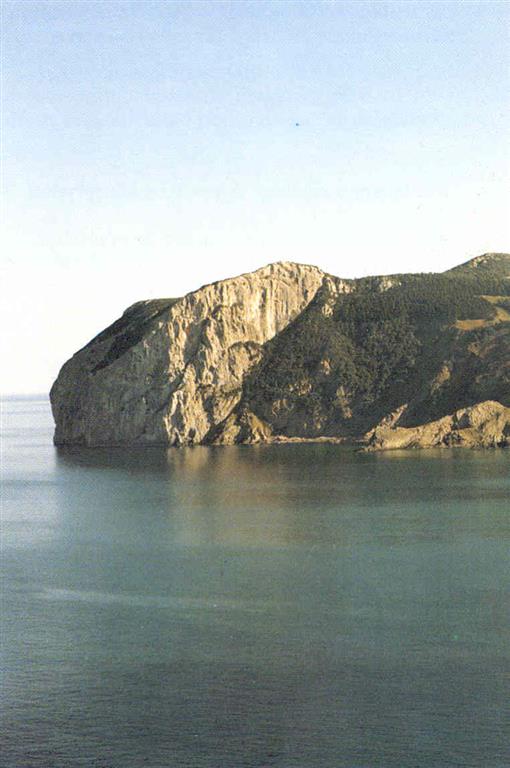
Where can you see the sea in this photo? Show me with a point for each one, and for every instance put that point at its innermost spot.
(290, 606)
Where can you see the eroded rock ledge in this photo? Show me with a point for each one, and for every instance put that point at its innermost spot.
(484, 425)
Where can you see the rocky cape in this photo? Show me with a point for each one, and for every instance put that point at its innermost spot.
(290, 353)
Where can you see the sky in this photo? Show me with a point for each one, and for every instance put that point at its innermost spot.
(152, 147)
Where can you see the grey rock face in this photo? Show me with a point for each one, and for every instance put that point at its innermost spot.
(170, 371)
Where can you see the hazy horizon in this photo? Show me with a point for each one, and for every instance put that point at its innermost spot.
(151, 148)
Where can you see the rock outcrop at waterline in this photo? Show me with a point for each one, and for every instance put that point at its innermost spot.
(485, 425)
(291, 353)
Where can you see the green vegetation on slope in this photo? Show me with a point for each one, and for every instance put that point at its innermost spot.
(347, 365)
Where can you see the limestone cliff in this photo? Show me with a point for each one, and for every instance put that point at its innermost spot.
(291, 353)
(169, 371)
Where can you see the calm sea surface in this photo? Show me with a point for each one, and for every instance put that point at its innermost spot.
(297, 606)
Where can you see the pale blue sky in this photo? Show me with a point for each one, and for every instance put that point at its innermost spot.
(150, 147)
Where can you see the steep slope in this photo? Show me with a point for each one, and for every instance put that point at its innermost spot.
(290, 352)
(170, 370)
(434, 343)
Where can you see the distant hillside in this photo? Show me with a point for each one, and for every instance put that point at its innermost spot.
(495, 264)
(290, 352)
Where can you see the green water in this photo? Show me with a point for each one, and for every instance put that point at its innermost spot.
(297, 606)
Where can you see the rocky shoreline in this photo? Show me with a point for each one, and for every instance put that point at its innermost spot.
(485, 425)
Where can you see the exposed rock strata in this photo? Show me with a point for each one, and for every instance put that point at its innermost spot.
(289, 353)
(169, 372)
(485, 425)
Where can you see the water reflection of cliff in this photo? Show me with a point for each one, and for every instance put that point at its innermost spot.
(224, 496)
(234, 497)
(280, 496)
